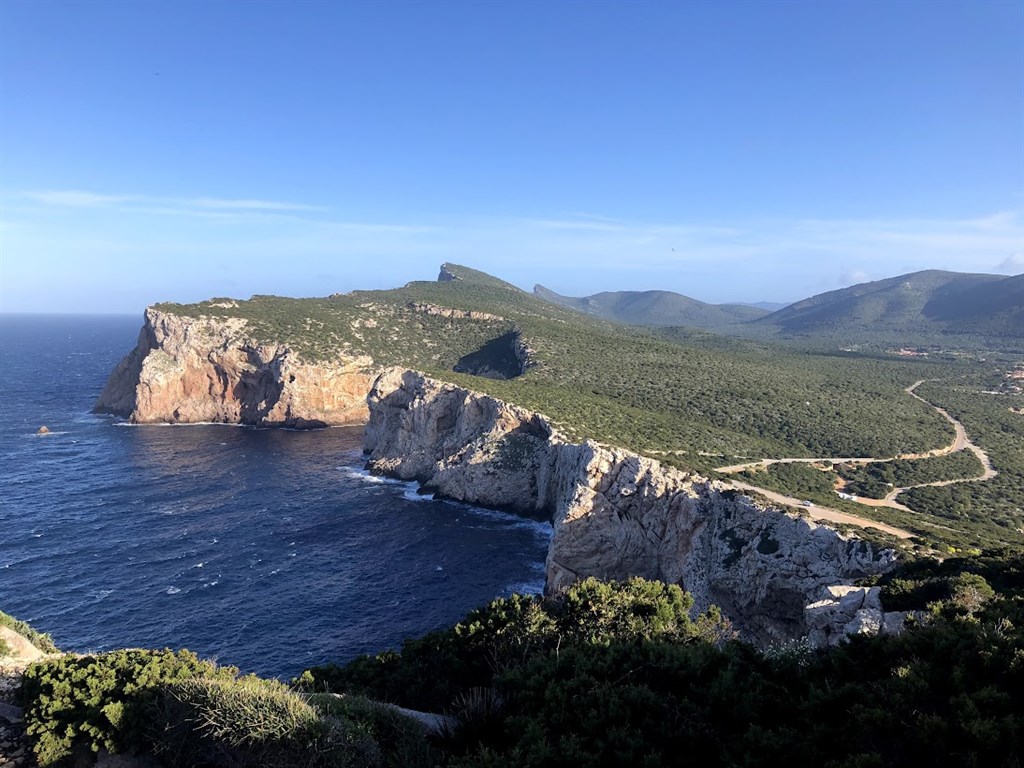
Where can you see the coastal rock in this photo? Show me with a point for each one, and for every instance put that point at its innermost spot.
(841, 611)
(461, 444)
(617, 514)
(204, 369)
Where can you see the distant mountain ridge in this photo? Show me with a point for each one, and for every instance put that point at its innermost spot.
(913, 308)
(931, 301)
(654, 308)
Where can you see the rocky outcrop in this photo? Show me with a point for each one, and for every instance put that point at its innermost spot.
(461, 444)
(615, 514)
(841, 611)
(446, 275)
(452, 314)
(189, 370)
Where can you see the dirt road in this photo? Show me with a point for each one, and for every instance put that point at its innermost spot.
(818, 512)
(960, 442)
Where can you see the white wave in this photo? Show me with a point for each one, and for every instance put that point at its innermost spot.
(172, 590)
(540, 528)
(414, 494)
(182, 424)
(524, 588)
(410, 488)
(199, 565)
(366, 476)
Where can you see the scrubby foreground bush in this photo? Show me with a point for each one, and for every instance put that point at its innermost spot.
(430, 672)
(615, 675)
(191, 713)
(77, 704)
(605, 675)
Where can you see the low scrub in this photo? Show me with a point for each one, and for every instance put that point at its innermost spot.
(192, 714)
(75, 705)
(431, 672)
(40, 640)
(252, 722)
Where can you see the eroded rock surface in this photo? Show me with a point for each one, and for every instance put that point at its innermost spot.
(190, 370)
(615, 514)
(841, 611)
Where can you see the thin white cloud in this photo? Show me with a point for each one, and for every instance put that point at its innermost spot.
(248, 205)
(76, 198)
(575, 253)
(575, 224)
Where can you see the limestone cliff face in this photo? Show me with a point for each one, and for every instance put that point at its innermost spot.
(188, 370)
(462, 444)
(616, 514)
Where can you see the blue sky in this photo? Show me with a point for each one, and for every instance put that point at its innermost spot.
(731, 151)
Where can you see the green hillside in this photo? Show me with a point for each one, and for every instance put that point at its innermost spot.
(689, 398)
(930, 303)
(655, 308)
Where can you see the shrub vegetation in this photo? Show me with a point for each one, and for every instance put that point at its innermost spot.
(40, 640)
(614, 675)
(610, 674)
(692, 399)
(192, 713)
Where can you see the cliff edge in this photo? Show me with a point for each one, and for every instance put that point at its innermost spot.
(617, 514)
(191, 370)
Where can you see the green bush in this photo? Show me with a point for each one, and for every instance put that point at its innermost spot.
(957, 585)
(40, 640)
(943, 695)
(252, 722)
(430, 672)
(192, 713)
(401, 740)
(81, 704)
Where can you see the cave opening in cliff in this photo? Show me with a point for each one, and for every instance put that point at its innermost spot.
(499, 358)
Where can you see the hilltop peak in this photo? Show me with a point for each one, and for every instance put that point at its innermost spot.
(451, 272)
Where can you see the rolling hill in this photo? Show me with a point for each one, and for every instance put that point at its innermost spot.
(654, 308)
(917, 304)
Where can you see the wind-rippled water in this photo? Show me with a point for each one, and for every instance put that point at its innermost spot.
(268, 549)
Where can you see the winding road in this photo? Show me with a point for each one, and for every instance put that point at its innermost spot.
(960, 442)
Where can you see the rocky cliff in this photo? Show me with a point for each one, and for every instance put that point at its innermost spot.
(188, 370)
(617, 514)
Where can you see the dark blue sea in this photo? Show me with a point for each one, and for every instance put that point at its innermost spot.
(267, 549)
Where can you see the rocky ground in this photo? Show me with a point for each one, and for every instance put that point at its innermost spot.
(14, 750)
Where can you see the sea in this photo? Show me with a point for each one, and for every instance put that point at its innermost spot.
(268, 549)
